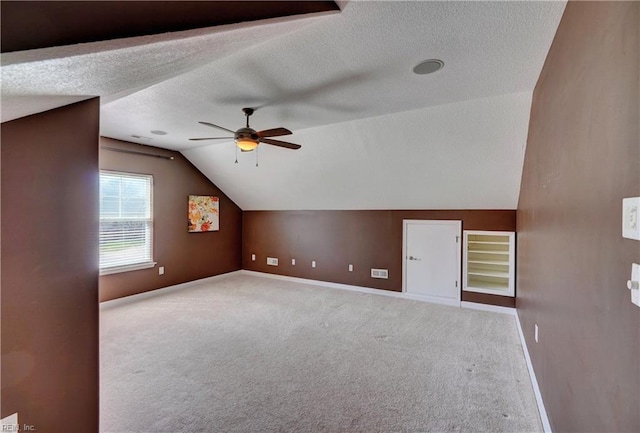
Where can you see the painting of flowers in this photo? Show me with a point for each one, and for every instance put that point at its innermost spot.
(204, 213)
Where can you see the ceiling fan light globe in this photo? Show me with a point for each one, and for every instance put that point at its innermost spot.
(246, 145)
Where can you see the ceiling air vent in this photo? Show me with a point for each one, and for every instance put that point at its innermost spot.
(380, 273)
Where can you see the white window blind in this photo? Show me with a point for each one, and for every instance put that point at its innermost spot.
(126, 223)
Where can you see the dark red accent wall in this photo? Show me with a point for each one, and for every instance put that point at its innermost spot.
(582, 159)
(334, 239)
(49, 269)
(185, 256)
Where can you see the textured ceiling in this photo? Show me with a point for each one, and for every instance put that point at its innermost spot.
(374, 135)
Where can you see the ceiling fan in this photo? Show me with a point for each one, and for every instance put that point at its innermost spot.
(248, 138)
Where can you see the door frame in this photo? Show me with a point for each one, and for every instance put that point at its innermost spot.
(458, 225)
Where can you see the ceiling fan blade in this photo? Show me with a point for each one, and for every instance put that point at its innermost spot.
(211, 138)
(280, 143)
(275, 132)
(216, 126)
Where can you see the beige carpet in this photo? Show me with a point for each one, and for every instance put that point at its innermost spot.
(250, 354)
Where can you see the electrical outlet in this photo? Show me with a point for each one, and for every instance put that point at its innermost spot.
(161, 270)
(350, 268)
(272, 261)
(293, 262)
(313, 263)
(253, 257)
(536, 332)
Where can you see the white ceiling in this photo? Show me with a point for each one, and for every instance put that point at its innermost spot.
(374, 135)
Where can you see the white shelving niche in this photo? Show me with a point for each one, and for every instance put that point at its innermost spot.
(489, 262)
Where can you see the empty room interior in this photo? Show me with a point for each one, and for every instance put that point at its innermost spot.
(320, 216)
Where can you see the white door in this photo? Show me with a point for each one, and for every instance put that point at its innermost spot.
(431, 261)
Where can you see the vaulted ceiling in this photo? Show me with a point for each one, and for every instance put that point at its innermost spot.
(374, 135)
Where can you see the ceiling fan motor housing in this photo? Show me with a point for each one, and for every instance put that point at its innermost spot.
(246, 134)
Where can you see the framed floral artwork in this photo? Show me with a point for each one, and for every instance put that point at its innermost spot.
(204, 213)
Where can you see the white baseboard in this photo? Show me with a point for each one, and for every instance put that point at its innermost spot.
(401, 295)
(546, 425)
(431, 299)
(325, 284)
(370, 290)
(165, 290)
(485, 307)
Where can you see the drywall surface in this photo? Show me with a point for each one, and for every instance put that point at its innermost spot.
(335, 239)
(582, 159)
(185, 256)
(50, 269)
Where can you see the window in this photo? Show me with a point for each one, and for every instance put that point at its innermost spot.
(126, 224)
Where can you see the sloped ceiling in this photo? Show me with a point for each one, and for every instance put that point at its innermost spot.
(374, 135)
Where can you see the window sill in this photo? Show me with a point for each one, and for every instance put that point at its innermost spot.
(127, 268)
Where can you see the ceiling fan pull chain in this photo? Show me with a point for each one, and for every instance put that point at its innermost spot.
(236, 154)
(256, 156)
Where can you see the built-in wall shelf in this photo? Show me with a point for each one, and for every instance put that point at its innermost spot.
(489, 262)
(481, 251)
(483, 262)
(488, 273)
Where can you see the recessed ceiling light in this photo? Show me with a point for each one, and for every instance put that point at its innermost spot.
(428, 67)
(158, 132)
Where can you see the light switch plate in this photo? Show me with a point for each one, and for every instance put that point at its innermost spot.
(635, 276)
(630, 218)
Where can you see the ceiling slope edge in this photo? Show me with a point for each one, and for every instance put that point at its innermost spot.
(58, 52)
(310, 19)
(121, 71)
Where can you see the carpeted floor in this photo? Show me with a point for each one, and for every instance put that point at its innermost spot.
(250, 354)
